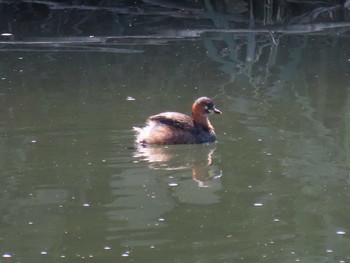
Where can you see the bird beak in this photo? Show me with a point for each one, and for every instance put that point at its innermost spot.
(217, 111)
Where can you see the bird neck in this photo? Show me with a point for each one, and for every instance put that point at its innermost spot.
(202, 120)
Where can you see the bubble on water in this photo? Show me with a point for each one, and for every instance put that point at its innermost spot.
(341, 232)
(130, 98)
(107, 247)
(43, 252)
(126, 254)
(173, 184)
(7, 255)
(258, 204)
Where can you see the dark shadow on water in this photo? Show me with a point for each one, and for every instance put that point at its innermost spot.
(104, 25)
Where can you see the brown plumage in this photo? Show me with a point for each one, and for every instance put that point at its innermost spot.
(179, 128)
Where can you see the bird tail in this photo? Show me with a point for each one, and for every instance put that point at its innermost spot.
(138, 130)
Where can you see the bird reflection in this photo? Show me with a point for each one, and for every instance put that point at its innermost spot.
(198, 158)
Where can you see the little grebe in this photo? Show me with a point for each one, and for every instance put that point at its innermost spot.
(179, 128)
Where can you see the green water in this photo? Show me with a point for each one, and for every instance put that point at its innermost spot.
(274, 188)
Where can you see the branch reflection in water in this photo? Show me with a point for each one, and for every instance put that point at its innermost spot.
(198, 158)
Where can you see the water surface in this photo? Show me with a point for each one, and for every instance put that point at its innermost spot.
(274, 188)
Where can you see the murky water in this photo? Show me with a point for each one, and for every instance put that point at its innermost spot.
(274, 188)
